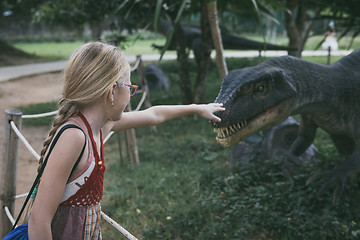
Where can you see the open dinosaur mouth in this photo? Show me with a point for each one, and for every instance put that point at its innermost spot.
(230, 135)
(225, 132)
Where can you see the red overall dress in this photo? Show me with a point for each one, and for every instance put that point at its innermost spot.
(78, 215)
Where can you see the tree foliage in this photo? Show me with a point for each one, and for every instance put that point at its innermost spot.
(346, 16)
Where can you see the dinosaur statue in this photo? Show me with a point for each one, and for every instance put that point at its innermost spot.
(230, 41)
(325, 96)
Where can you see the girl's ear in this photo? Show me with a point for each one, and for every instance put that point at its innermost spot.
(110, 96)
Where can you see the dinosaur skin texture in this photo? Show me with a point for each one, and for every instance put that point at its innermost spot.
(325, 96)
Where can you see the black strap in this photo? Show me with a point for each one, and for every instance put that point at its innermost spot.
(45, 162)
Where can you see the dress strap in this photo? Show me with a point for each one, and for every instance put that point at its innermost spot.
(57, 136)
(99, 158)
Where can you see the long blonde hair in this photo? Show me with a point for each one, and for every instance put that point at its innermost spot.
(89, 75)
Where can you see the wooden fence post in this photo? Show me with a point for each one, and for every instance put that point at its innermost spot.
(9, 169)
(120, 148)
(144, 86)
(143, 82)
(329, 56)
(132, 144)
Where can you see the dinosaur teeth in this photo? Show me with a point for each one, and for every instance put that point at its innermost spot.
(230, 130)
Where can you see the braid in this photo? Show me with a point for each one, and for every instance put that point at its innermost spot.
(66, 110)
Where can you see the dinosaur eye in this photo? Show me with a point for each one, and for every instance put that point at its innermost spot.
(260, 88)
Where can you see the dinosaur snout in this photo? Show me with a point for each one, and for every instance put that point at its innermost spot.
(223, 115)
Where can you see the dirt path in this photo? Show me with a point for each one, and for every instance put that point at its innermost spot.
(35, 89)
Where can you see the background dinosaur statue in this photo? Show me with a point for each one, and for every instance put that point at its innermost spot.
(325, 96)
(192, 34)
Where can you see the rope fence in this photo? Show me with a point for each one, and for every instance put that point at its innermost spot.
(7, 211)
(23, 139)
(41, 115)
(7, 197)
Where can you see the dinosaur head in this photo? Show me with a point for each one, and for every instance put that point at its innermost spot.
(255, 99)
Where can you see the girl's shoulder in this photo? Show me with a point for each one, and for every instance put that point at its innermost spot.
(70, 131)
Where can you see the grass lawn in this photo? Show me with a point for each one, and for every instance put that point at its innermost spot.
(49, 50)
(62, 50)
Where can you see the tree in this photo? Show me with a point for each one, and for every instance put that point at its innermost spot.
(19, 9)
(75, 14)
(203, 62)
(208, 15)
(216, 36)
(346, 16)
(298, 22)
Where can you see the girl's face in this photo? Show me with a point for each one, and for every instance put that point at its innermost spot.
(121, 96)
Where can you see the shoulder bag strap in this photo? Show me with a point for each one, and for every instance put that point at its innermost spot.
(45, 162)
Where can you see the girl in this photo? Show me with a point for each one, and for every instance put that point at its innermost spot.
(96, 91)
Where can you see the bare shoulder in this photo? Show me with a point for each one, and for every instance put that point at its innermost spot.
(73, 134)
(70, 138)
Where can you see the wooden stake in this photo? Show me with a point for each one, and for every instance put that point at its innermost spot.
(9, 169)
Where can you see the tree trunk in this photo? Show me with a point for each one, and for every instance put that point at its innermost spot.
(96, 31)
(296, 24)
(182, 59)
(204, 57)
(216, 36)
(293, 26)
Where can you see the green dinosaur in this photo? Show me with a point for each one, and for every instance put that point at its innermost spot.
(325, 96)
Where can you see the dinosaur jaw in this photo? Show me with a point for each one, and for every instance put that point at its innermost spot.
(230, 135)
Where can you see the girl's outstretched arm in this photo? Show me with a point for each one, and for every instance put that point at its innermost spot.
(159, 114)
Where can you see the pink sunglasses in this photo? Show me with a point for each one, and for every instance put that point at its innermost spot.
(133, 88)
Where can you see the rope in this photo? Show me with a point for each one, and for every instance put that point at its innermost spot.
(22, 138)
(141, 101)
(21, 195)
(108, 137)
(103, 215)
(136, 64)
(118, 227)
(8, 214)
(41, 115)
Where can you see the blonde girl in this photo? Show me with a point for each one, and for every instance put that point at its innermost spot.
(96, 91)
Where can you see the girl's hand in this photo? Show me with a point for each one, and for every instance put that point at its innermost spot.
(207, 111)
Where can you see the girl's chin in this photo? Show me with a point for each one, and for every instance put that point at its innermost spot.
(117, 117)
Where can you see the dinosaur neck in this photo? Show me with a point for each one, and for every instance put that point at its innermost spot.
(326, 92)
(315, 84)
(312, 85)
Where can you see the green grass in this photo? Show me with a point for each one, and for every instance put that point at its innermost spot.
(183, 187)
(141, 47)
(49, 50)
(62, 50)
(36, 109)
